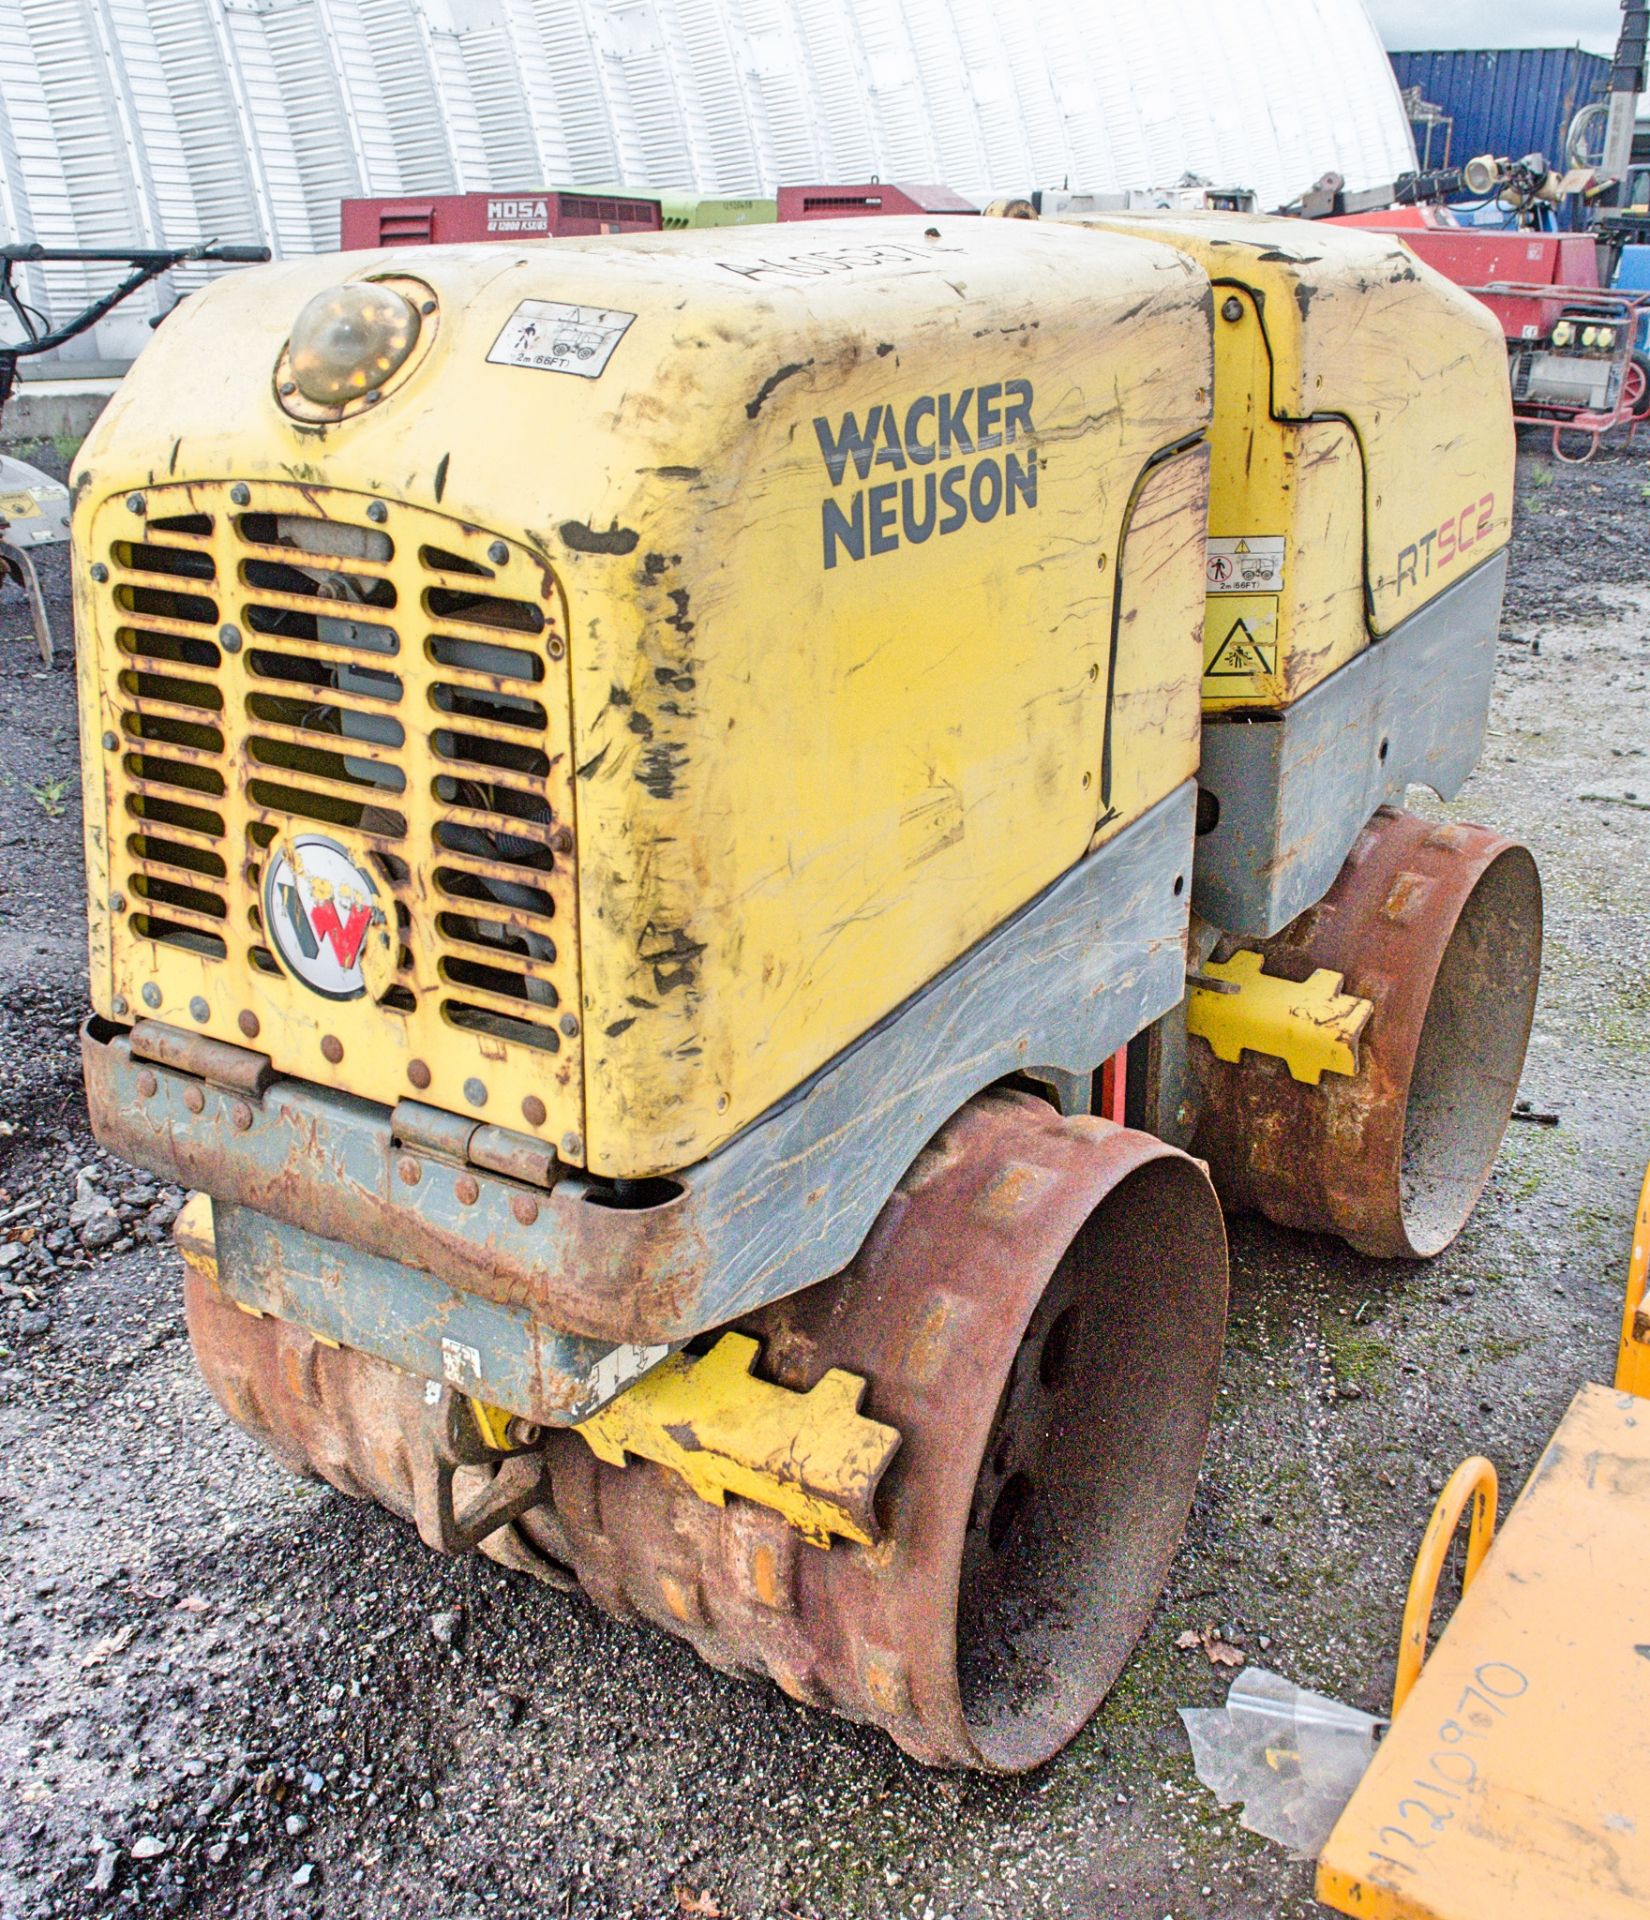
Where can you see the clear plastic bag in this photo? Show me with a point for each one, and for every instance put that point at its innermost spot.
(1290, 1756)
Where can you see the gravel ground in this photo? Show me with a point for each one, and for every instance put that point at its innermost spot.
(221, 1691)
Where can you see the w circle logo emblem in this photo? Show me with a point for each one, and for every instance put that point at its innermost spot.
(319, 908)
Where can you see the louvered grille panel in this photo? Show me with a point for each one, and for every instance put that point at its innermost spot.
(501, 107)
(70, 68)
(292, 663)
(89, 168)
(316, 116)
(829, 40)
(593, 141)
(412, 101)
(784, 110)
(212, 145)
(174, 837)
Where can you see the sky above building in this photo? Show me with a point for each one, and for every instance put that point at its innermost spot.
(1593, 24)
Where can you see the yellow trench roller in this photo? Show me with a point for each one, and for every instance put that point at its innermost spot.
(637, 792)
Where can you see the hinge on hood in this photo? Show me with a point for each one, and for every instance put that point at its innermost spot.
(461, 1142)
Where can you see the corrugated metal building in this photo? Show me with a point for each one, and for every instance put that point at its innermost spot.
(160, 122)
(1506, 101)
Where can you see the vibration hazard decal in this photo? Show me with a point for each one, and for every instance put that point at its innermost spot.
(553, 338)
(1240, 647)
(1244, 653)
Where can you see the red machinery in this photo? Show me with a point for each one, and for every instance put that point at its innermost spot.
(1569, 341)
(452, 219)
(874, 200)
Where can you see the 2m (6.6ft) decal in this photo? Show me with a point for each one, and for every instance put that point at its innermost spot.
(1246, 563)
(553, 337)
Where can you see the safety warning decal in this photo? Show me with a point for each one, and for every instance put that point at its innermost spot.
(555, 338)
(1243, 652)
(1246, 563)
(1239, 649)
(28, 503)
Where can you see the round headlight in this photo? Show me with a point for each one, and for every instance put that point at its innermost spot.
(1563, 334)
(349, 340)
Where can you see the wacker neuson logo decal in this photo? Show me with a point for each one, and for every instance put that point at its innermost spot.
(951, 440)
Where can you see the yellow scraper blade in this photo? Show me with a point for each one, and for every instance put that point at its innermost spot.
(812, 1457)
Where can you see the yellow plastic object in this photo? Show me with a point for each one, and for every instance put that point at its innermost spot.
(881, 553)
(1474, 1480)
(1633, 1358)
(194, 1236)
(1511, 1786)
(1311, 1025)
(810, 1456)
(493, 1424)
(1362, 444)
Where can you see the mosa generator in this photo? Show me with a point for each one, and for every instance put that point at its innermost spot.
(460, 219)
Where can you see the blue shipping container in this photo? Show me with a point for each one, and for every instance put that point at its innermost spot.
(1509, 101)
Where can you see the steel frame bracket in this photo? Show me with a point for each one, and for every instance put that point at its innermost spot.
(454, 1440)
(17, 565)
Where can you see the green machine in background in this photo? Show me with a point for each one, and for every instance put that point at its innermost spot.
(677, 210)
(680, 210)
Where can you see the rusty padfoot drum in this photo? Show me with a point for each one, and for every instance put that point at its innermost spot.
(1439, 926)
(1038, 1311)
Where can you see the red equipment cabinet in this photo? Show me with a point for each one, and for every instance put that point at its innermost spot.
(1486, 259)
(449, 219)
(873, 201)
(1569, 342)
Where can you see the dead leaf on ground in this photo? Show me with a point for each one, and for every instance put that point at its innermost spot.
(108, 1646)
(193, 1603)
(687, 1901)
(1220, 1651)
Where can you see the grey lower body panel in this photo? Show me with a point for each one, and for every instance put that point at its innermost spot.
(544, 1301)
(488, 1349)
(1293, 789)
